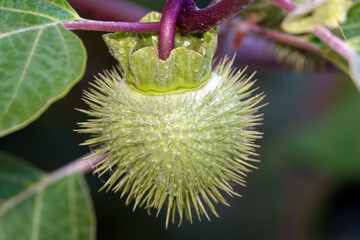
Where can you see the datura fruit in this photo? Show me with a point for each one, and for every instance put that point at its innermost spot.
(175, 133)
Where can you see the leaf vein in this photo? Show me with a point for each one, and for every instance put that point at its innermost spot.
(27, 29)
(28, 12)
(22, 77)
(65, 47)
(35, 230)
(1, 231)
(72, 206)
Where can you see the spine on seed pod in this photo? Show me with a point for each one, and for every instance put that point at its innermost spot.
(178, 135)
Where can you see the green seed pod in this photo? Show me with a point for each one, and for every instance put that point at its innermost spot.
(179, 150)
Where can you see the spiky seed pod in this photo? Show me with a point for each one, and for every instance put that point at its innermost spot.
(179, 150)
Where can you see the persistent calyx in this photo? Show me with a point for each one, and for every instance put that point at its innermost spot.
(187, 67)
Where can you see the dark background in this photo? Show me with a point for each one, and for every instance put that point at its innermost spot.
(308, 182)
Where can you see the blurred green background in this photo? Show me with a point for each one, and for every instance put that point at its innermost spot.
(308, 182)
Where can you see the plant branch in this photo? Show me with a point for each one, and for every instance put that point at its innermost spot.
(195, 20)
(287, 5)
(167, 27)
(245, 28)
(109, 26)
(190, 19)
(81, 164)
(334, 42)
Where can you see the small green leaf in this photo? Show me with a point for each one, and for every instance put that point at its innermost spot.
(39, 59)
(311, 14)
(351, 31)
(266, 13)
(351, 28)
(34, 205)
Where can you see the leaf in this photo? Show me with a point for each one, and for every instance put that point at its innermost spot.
(265, 13)
(36, 205)
(311, 14)
(39, 59)
(351, 28)
(355, 62)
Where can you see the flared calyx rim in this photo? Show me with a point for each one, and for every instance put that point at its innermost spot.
(187, 67)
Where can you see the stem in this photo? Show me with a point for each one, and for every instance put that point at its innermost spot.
(277, 36)
(285, 38)
(167, 27)
(78, 165)
(287, 5)
(322, 33)
(334, 42)
(195, 20)
(189, 19)
(94, 25)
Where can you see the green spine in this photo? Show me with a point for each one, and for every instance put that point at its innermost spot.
(175, 150)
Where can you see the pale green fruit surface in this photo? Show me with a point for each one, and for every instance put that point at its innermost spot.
(180, 151)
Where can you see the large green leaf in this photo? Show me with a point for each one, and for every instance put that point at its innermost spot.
(39, 59)
(34, 205)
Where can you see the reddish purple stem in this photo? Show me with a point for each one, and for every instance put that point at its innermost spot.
(108, 26)
(190, 18)
(181, 13)
(287, 5)
(334, 42)
(284, 38)
(193, 19)
(167, 27)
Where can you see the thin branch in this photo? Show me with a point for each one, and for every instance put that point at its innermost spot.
(80, 164)
(246, 28)
(193, 19)
(287, 5)
(334, 42)
(108, 26)
(167, 27)
(190, 19)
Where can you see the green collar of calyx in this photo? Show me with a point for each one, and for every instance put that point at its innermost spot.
(187, 67)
